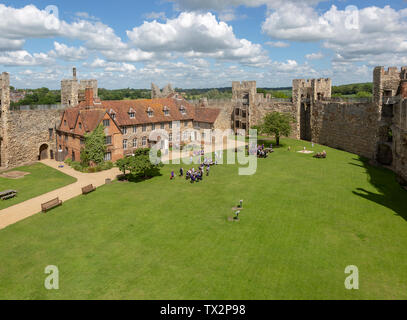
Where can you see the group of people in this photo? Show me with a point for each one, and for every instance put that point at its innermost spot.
(262, 152)
(321, 155)
(194, 175)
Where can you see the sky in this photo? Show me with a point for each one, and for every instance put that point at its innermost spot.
(199, 44)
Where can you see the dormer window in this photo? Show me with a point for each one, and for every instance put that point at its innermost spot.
(80, 125)
(112, 114)
(132, 113)
(166, 111)
(150, 112)
(183, 110)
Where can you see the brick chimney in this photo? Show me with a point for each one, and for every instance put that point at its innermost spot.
(89, 97)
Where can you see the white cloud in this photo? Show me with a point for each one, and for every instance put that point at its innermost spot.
(277, 44)
(24, 58)
(155, 15)
(314, 56)
(195, 35)
(111, 66)
(62, 51)
(352, 35)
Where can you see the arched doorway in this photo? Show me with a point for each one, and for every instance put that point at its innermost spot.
(43, 152)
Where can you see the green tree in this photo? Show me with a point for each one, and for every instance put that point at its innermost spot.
(95, 147)
(278, 124)
(139, 165)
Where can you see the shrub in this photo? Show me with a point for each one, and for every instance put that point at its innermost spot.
(68, 161)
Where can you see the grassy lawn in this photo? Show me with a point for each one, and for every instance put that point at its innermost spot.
(304, 221)
(42, 179)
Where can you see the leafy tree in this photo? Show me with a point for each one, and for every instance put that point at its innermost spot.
(95, 147)
(278, 124)
(124, 164)
(139, 165)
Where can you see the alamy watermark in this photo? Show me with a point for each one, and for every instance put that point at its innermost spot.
(192, 146)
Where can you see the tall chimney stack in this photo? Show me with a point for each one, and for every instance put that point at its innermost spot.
(74, 73)
(89, 97)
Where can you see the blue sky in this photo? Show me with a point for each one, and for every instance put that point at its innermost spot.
(199, 44)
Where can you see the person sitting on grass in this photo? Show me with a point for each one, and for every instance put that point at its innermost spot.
(181, 172)
(172, 175)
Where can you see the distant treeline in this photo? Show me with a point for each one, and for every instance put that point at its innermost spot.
(38, 97)
(46, 96)
(355, 89)
(124, 94)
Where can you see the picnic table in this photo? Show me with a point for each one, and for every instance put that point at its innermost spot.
(8, 194)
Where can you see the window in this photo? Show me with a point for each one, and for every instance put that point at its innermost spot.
(150, 112)
(51, 133)
(113, 116)
(166, 111)
(80, 125)
(82, 141)
(132, 115)
(170, 137)
(144, 141)
(134, 143)
(108, 140)
(183, 110)
(144, 128)
(125, 144)
(108, 156)
(134, 129)
(124, 130)
(106, 123)
(64, 122)
(66, 137)
(162, 126)
(185, 123)
(170, 125)
(185, 136)
(153, 127)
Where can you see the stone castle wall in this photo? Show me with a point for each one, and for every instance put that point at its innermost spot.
(347, 126)
(400, 139)
(28, 131)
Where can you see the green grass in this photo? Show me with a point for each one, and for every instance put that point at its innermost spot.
(304, 221)
(42, 179)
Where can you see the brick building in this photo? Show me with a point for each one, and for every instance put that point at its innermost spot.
(129, 124)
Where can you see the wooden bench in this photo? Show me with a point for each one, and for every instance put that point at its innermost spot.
(88, 189)
(5, 195)
(51, 204)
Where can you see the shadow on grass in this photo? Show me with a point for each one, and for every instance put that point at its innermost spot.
(137, 179)
(390, 193)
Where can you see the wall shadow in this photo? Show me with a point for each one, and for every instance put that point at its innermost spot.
(390, 192)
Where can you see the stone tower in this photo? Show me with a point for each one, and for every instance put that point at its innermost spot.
(305, 93)
(4, 114)
(157, 93)
(73, 92)
(244, 96)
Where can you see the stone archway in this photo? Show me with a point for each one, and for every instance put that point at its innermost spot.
(44, 152)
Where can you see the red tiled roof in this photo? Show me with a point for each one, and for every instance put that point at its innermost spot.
(121, 109)
(206, 115)
(71, 116)
(91, 117)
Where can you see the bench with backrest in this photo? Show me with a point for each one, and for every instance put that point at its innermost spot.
(88, 189)
(51, 204)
